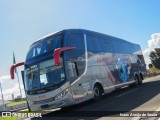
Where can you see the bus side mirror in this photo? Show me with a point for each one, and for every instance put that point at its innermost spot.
(57, 53)
(13, 67)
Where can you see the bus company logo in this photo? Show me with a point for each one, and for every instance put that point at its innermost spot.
(34, 66)
(42, 96)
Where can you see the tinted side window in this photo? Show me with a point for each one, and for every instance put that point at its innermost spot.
(129, 48)
(76, 40)
(93, 43)
(136, 49)
(126, 48)
(54, 43)
(122, 47)
(116, 46)
(76, 57)
(45, 45)
(107, 45)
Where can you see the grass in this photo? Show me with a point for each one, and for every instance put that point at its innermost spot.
(12, 103)
(9, 118)
(25, 110)
(149, 78)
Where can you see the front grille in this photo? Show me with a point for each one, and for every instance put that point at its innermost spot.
(44, 101)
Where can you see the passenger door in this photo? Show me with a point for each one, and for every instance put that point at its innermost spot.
(76, 63)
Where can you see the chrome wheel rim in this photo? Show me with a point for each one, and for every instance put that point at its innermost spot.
(96, 91)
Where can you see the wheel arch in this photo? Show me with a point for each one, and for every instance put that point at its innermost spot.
(99, 83)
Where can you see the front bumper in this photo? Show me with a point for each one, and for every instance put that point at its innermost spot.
(61, 102)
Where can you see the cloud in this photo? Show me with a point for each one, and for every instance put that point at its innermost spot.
(5, 77)
(10, 87)
(154, 42)
(14, 90)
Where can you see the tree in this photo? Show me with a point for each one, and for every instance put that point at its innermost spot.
(155, 57)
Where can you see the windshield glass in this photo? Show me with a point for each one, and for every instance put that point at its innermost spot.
(43, 46)
(43, 75)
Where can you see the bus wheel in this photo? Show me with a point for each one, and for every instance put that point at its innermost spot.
(138, 80)
(97, 90)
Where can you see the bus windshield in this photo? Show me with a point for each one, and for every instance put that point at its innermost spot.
(44, 45)
(43, 76)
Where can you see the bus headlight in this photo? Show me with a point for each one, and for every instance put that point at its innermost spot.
(60, 95)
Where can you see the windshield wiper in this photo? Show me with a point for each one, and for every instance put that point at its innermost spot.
(41, 90)
(51, 87)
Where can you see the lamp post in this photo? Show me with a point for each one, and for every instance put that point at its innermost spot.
(2, 96)
(19, 84)
(14, 62)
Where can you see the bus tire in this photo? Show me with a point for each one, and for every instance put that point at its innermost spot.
(97, 91)
(141, 76)
(138, 80)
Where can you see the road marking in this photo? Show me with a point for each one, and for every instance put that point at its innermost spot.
(128, 92)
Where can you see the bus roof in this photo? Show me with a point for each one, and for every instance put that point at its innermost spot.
(82, 31)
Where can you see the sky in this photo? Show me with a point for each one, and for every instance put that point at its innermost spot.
(24, 22)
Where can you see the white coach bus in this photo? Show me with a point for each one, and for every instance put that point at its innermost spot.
(72, 66)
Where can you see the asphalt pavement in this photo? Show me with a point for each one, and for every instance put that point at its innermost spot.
(144, 99)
